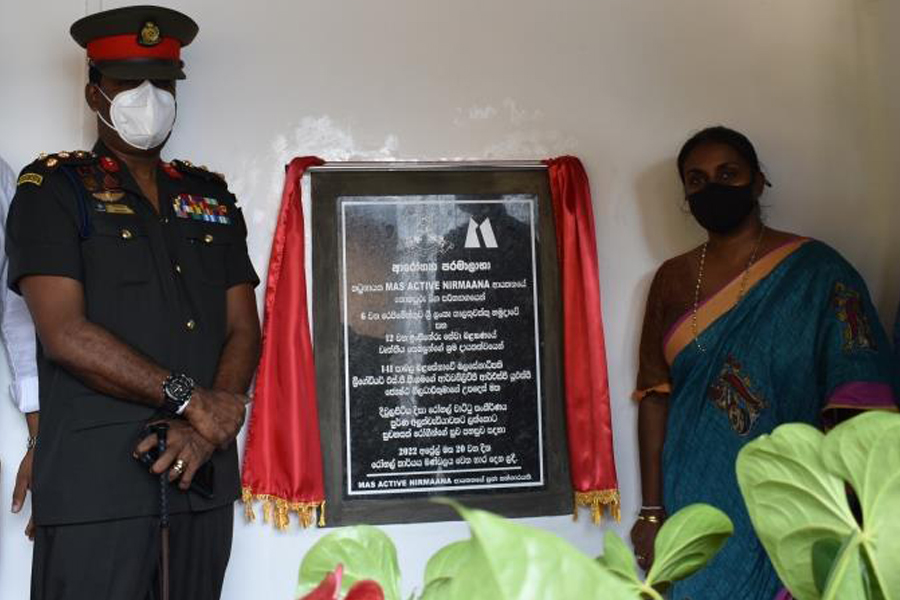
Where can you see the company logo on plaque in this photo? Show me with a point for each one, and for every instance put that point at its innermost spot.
(487, 234)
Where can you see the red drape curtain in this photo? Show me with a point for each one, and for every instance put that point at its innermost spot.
(283, 456)
(591, 460)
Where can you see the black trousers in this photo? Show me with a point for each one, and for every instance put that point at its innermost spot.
(119, 560)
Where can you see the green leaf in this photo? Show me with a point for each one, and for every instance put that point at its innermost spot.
(872, 588)
(617, 557)
(510, 561)
(448, 561)
(793, 501)
(865, 452)
(366, 553)
(847, 577)
(687, 541)
(824, 552)
(437, 589)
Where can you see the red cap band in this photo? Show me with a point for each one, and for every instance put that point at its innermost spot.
(123, 47)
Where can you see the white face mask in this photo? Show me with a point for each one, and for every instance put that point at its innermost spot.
(142, 116)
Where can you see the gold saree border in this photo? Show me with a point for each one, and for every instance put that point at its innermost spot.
(724, 300)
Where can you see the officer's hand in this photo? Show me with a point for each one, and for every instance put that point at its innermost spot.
(20, 491)
(182, 443)
(216, 415)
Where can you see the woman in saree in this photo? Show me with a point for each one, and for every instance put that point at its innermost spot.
(752, 329)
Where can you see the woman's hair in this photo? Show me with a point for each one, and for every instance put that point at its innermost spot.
(720, 135)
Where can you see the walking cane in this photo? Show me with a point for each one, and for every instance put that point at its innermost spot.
(161, 434)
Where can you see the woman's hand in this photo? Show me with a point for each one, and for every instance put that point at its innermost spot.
(643, 535)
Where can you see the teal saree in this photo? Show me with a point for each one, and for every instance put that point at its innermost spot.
(805, 338)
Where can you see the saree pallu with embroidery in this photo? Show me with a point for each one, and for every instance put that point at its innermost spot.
(805, 338)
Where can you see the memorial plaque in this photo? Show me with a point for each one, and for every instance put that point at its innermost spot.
(431, 325)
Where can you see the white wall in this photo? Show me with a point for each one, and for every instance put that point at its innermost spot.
(620, 83)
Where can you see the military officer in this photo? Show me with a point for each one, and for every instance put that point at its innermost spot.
(136, 273)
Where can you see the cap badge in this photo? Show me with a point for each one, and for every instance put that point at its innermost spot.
(149, 34)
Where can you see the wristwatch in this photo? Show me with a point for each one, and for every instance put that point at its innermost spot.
(177, 391)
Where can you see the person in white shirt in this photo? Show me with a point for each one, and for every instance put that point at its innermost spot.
(17, 332)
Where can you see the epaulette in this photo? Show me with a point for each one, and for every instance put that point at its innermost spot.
(46, 164)
(185, 166)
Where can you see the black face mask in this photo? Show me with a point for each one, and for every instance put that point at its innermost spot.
(722, 208)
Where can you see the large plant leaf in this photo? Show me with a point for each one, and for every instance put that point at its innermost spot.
(437, 589)
(365, 552)
(865, 452)
(687, 541)
(846, 580)
(824, 554)
(793, 501)
(619, 560)
(448, 561)
(510, 561)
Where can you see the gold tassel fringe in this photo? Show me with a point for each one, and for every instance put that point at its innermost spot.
(278, 510)
(598, 501)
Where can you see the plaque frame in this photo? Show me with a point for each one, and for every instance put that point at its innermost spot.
(330, 182)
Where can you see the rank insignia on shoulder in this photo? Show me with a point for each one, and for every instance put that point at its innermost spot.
(32, 178)
(198, 208)
(76, 157)
(108, 196)
(113, 209)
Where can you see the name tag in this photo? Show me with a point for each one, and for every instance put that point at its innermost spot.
(113, 209)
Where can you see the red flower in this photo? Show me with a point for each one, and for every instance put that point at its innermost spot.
(365, 590)
(330, 589)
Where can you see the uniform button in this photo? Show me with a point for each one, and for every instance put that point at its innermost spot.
(126, 234)
(191, 325)
(178, 268)
(208, 238)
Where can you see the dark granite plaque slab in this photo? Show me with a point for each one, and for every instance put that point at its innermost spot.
(441, 360)
(437, 345)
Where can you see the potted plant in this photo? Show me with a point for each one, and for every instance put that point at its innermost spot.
(795, 484)
(505, 560)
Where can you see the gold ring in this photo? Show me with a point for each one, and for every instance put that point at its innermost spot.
(178, 467)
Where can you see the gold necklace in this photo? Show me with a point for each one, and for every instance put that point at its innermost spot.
(743, 289)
